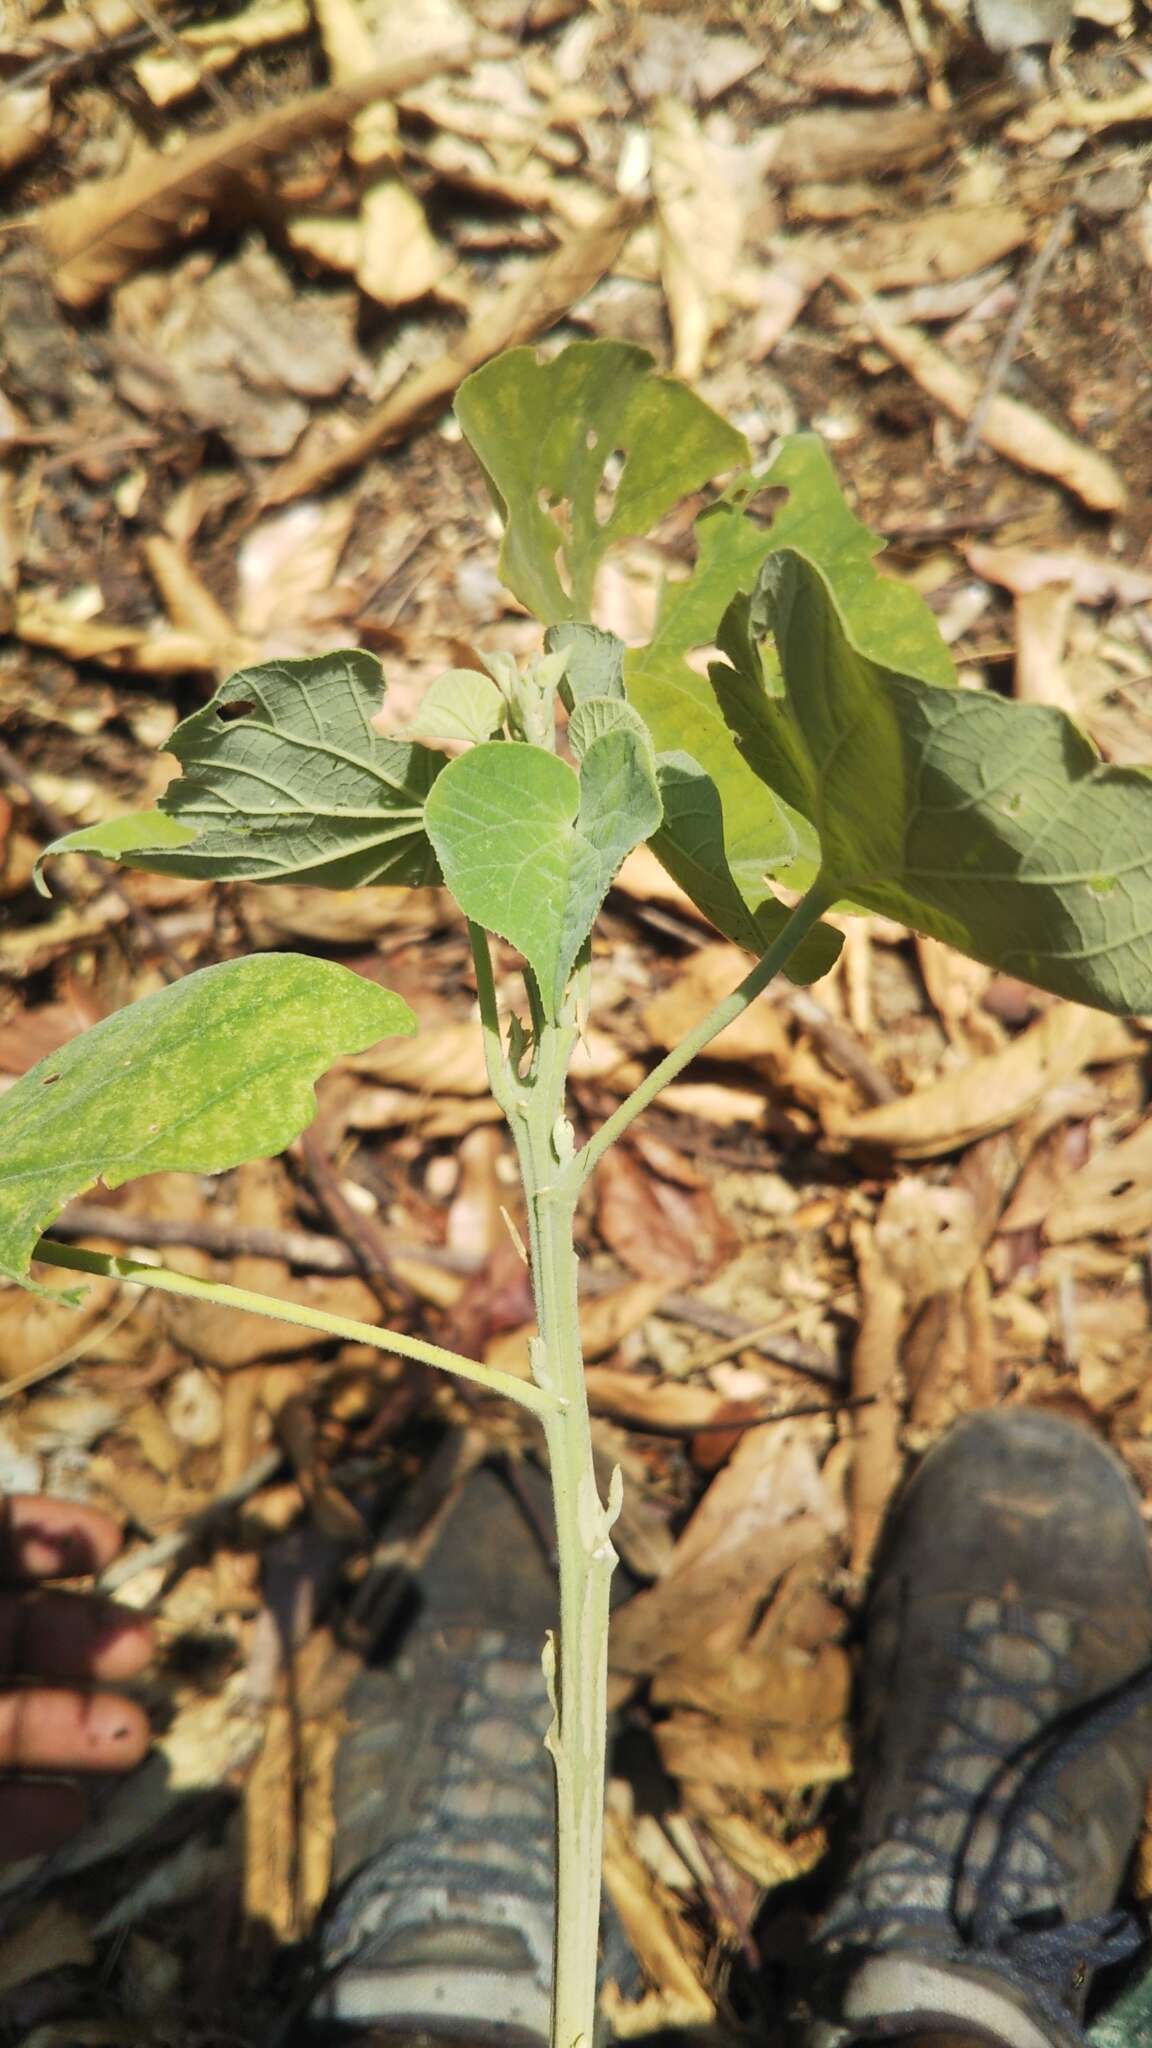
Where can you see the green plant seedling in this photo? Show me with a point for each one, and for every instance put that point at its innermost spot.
(823, 757)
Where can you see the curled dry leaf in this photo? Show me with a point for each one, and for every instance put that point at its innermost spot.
(1092, 579)
(662, 1939)
(167, 75)
(659, 1228)
(1109, 1197)
(942, 243)
(764, 1512)
(1009, 426)
(853, 145)
(25, 124)
(106, 229)
(700, 220)
(991, 1093)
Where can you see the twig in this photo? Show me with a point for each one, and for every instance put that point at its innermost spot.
(304, 1249)
(185, 53)
(1022, 312)
(362, 1234)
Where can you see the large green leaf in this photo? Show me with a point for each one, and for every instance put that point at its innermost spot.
(550, 436)
(529, 848)
(214, 1070)
(765, 834)
(690, 845)
(286, 779)
(989, 824)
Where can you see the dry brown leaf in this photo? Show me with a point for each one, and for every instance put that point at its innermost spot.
(782, 289)
(852, 145)
(1092, 579)
(758, 1037)
(107, 228)
(941, 243)
(216, 45)
(25, 124)
(237, 346)
(662, 1939)
(700, 221)
(645, 1401)
(787, 1691)
(875, 61)
(443, 1059)
(749, 1844)
(135, 650)
(1072, 110)
(764, 1512)
(990, 1093)
(1109, 1197)
(516, 314)
(605, 1321)
(657, 1227)
(1009, 426)
(88, 28)
(1042, 619)
(697, 1750)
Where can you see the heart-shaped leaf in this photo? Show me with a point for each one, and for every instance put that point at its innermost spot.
(286, 779)
(992, 825)
(552, 437)
(461, 704)
(212, 1071)
(529, 849)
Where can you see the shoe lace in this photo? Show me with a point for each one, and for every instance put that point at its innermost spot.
(1056, 1954)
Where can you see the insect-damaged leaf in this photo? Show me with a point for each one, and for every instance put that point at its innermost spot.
(989, 824)
(212, 1071)
(529, 848)
(286, 779)
(551, 436)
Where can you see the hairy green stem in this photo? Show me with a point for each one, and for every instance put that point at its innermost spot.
(806, 914)
(537, 1399)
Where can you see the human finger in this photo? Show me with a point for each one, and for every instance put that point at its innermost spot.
(70, 1635)
(43, 1728)
(54, 1539)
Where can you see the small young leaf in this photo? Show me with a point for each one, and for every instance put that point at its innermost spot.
(212, 1071)
(690, 844)
(529, 848)
(286, 779)
(595, 664)
(992, 825)
(461, 704)
(547, 434)
(595, 716)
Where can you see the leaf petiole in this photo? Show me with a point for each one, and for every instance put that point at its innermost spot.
(539, 1401)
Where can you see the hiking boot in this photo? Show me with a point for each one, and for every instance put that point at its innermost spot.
(442, 1916)
(1003, 1758)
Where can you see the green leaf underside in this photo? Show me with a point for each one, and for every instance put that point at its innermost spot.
(992, 825)
(462, 704)
(292, 783)
(595, 665)
(212, 1071)
(764, 833)
(529, 848)
(690, 844)
(545, 433)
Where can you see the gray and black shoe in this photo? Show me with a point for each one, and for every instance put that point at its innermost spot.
(1006, 1745)
(442, 1915)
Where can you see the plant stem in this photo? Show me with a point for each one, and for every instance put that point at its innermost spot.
(536, 1398)
(579, 1674)
(806, 914)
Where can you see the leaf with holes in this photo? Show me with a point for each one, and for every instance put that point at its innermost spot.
(286, 779)
(992, 825)
(529, 849)
(216, 1069)
(550, 436)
